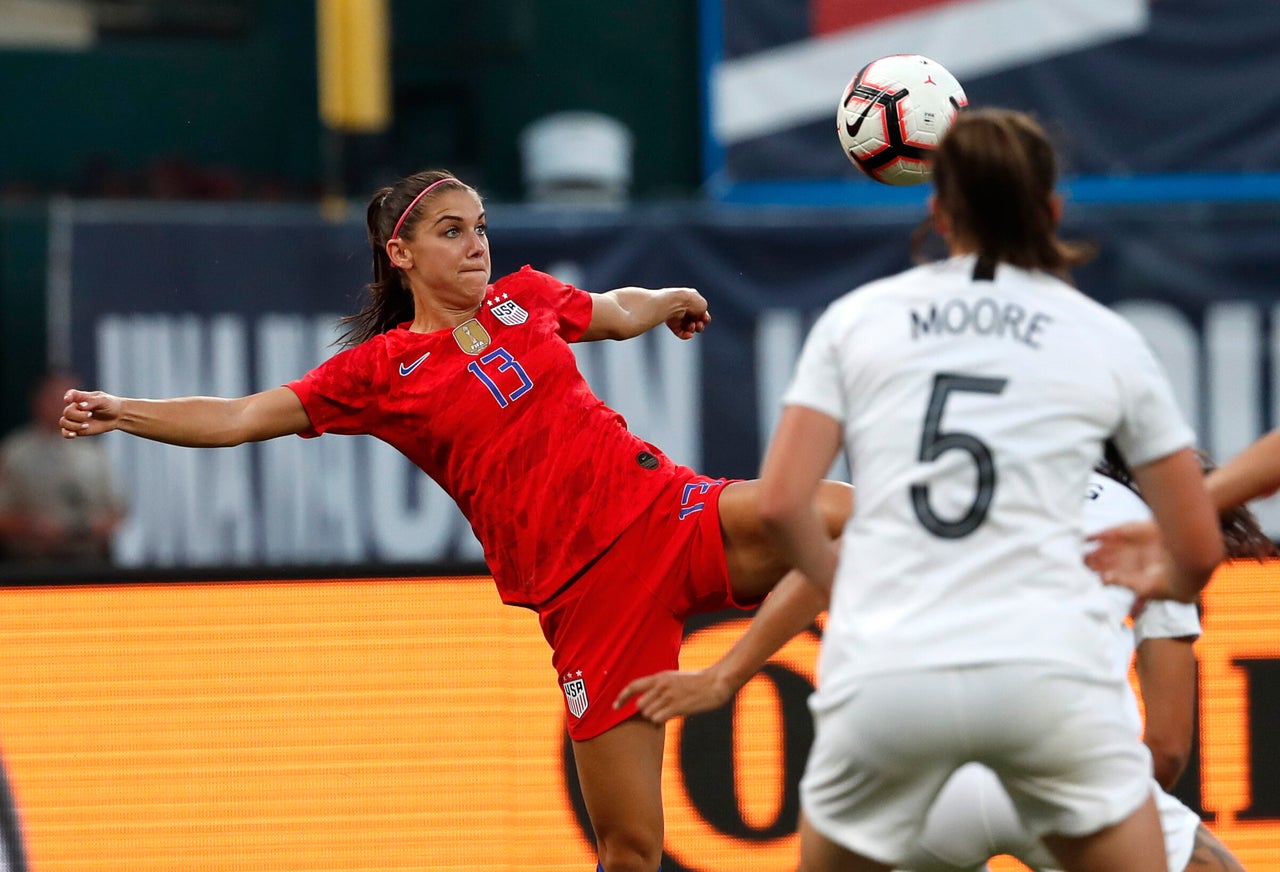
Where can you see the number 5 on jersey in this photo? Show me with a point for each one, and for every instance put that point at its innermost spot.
(934, 442)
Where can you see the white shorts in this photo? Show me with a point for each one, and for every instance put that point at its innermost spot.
(973, 820)
(883, 749)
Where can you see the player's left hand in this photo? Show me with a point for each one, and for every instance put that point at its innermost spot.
(693, 319)
(666, 695)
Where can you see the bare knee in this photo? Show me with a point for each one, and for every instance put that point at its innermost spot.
(620, 772)
(627, 849)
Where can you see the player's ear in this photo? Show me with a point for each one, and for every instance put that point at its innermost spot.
(1055, 208)
(939, 217)
(399, 254)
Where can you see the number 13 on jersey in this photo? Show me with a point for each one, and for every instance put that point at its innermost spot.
(505, 362)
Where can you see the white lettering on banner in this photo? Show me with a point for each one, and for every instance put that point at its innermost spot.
(780, 334)
(283, 501)
(1232, 341)
(353, 499)
(1176, 343)
(194, 509)
(410, 516)
(655, 382)
(309, 495)
(1230, 374)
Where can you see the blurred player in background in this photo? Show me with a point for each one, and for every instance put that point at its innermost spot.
(972, 398)
(1134, 554)
(973, 820)
(601, 534)
(59, 504)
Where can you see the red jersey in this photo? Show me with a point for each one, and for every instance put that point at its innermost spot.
(497, 413)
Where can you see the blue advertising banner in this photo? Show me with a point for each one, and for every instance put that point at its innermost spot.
(1129, 87)
(170, 300)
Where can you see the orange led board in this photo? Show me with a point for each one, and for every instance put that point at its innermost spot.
(385, 724)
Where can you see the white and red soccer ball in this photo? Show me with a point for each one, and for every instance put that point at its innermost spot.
(893, 114)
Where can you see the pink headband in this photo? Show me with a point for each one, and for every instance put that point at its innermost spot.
(395, 234)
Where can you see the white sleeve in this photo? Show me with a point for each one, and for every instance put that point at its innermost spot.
(1153, 427)
(816, 382)
(1166, 619)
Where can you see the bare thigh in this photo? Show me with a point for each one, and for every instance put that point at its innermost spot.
(820, 854)
(1136, 844)
(754, 564)
(620, 772)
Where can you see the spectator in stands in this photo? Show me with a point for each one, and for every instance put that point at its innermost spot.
(58, 501)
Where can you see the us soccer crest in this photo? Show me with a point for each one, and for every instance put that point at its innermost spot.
(575, 693)
(471, 337)
(508, 311)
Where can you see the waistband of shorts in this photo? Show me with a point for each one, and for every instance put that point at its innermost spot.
(564, 589)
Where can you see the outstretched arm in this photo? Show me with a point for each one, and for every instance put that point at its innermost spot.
(788, 610)
(1253, 473)
(626, 312)
(196, 422)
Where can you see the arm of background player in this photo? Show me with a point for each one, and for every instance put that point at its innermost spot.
(1167, 681)
(626, 312)
(1173, 487)
(788, 610)
(196, 422)
(1253, 473)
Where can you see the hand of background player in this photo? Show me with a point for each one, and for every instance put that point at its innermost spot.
(666, 695)
(89, 413)
(1133, 556)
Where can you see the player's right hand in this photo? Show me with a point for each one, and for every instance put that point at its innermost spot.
(1131, 555)
(88, 413)
(666, 695)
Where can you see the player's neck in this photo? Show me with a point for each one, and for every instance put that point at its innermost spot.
(430, 319)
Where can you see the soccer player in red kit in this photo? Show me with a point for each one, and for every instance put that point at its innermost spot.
(599, 532)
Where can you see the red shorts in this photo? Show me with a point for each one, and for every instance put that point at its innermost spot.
(623, 618)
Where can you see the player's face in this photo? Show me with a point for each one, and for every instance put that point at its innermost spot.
(449, 251)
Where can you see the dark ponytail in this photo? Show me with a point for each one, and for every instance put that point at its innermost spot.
(994, 175)
(388, 299)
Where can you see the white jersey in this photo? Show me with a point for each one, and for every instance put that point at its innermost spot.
(1108, 504)
(973, 819)
(972, 414)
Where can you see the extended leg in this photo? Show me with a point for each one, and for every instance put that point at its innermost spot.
(620, 772)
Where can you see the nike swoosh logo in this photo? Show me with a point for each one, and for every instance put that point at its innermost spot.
(852, 129)
(405, 370)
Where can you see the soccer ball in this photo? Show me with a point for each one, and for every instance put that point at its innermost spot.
(893, 114)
